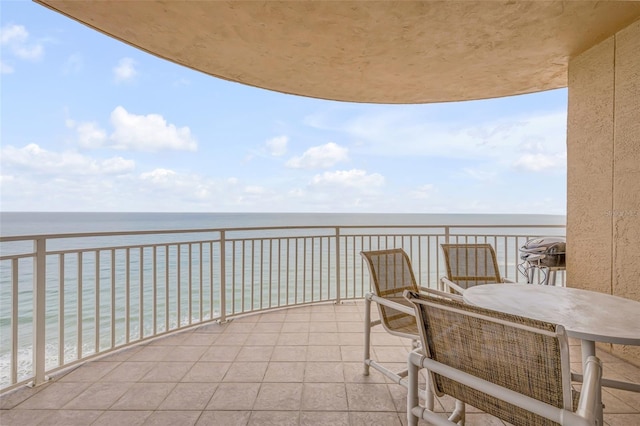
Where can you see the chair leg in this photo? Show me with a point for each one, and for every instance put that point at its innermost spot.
(429, 398)
(412, 390)
(459, 412)
(367, 335)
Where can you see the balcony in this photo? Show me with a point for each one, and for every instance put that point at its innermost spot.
(300, 365)
(224, 326)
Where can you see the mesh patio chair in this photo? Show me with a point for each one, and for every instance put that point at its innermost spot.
(391, 274)
(511, 367)
(469, 265)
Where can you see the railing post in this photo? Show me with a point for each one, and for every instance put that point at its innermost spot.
(39, 311)
(223, 278)
(447, 234)
(337, 264)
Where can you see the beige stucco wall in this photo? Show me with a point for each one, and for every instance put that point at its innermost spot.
(603, 171)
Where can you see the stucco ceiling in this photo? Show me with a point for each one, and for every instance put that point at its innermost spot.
(366, 51)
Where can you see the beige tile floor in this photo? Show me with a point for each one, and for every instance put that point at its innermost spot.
(300, 366)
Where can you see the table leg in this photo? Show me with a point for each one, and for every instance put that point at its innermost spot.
(589, 349)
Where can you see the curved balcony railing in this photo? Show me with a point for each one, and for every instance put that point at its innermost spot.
(66, 298)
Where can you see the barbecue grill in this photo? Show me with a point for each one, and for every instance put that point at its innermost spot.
(545, 252)
(545, 255)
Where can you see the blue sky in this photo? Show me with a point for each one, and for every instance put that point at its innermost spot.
(91, 124)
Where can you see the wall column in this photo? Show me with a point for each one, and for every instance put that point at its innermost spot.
(603, 171)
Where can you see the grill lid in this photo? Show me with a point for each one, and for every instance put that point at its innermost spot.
(545, 245)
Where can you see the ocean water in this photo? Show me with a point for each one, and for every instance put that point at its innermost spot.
(35, 223)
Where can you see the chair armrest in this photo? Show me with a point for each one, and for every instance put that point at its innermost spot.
(442, 294)
(391, 304)
(591, 387)
(453, 286)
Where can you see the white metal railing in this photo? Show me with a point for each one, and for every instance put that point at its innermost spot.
(68, 297)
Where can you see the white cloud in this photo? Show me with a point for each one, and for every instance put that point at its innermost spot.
(17, 41)
(159, 175)
(420, 132)
(39, 161)
(117, 165)
(536, 156)
(125, 70)
(149, 133)
(168, 190)
(73, 65)
(538, 162)
(336, 191)
(349, 178)
(13, 34)
(70, 181)
(90, 135)
(317, 157)
(277, 146)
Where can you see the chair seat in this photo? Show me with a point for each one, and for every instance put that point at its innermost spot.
(407, 329)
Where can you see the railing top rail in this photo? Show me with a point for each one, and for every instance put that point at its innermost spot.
(262, 228)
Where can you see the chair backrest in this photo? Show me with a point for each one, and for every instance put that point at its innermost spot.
(471, 264)
(391, 274)
(527, 356)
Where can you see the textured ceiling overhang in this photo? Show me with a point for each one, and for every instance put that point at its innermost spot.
(366, 51)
